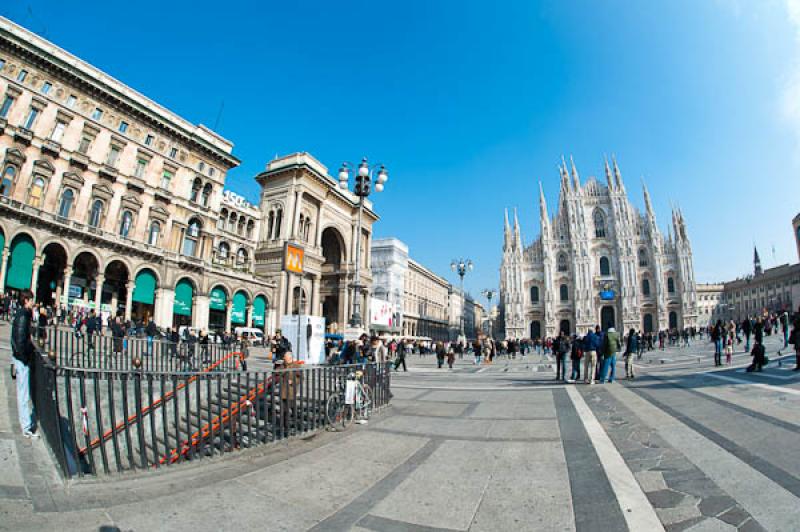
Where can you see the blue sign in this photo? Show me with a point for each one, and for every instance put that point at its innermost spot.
(607, 295)
(75, 292)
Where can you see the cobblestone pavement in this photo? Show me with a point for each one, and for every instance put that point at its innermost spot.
(684, 446)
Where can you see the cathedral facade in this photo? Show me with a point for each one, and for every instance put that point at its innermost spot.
(598, 261)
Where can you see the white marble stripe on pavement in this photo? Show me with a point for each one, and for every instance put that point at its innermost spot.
(773, 388)
(638, 512)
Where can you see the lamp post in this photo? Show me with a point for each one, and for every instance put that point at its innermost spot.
(362, 189)
(461, 267)
(489, 294)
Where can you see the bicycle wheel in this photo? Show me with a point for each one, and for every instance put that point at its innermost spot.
(366, 400)
(338, 414)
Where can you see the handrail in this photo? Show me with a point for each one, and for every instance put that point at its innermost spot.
(148, 409)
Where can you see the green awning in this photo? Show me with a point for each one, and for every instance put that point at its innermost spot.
(145, 289)
(218, 299)
(183, 298)
(259, 311)
(2, 240)
(239, 311)
(20, 263)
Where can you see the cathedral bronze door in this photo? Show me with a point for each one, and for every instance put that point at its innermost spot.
(536, 330)
(607, 317)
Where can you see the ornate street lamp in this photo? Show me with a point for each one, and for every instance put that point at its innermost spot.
(362, 189)
(489, 294)
(461, 267)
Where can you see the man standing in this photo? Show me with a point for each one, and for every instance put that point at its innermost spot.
(631, 348)
(23, 351)
(591, 343)
(561, 349)
(747, 329)
(290, 379)
(611, 346)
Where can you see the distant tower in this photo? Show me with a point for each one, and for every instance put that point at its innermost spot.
(756, 262)
(796, 228)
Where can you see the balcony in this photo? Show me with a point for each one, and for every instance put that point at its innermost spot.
(23, 136)
(136, 184)
(52, 147)
(163, 195)
(108, 172)
(79, 159)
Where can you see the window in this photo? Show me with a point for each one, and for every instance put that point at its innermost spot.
(33, 114)
(166, 177)
(562, 262)
(71, 100)
(645, 287)
(206, 194)
(113, 155)
(223, 218)
(97, 114)
(599, 223)
(22, 75)
(173, 152)
(125, 224)
(563, 292)
(240, 227)
(37, 191)
(58, 131)
(211, 171)
(190, 238)
(534, 294)
(251, 226)
(46, 87)
(670, 285)
(8, 180)
(141, 165)
(148, 140)
(201, 166)
(6, 107)
(123, 127)
(223, 251)
(2, 63)
(65, 205)
(642, 258)
(155, 231)
(605, 266)
(96, 213)
(85, 144)
(241, 257)
(195, 193)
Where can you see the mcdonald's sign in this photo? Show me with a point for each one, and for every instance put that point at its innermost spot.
(293, 259)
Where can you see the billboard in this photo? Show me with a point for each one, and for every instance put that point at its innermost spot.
(380, 313)
(307, 336)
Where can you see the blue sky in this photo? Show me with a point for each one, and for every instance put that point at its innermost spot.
(470, 104)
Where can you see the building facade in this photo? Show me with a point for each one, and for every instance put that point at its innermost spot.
(389, 270)
(710, 304)
(597, 261)
(426, 302)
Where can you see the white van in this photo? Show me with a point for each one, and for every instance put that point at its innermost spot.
(251, 334)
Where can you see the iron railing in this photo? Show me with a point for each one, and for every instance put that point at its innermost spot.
(104, 421)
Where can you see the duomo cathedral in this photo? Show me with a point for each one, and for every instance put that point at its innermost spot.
(598, 261)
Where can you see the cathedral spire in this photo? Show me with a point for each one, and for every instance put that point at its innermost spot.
(506, 233)
(517, 236)
(562, 168)
(609, 179)
(647, 203)
(756, 261)
(542, 206)
(617, 174)
(576, 181)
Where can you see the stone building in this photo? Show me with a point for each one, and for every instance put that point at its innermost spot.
(710, 306)
(426, 301)
(597, 261)
(389, 269)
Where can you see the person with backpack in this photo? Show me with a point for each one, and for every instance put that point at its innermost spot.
(562, 346)
(611, 346)
(23, 352)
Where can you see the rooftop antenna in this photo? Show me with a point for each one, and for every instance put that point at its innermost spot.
(219, 114)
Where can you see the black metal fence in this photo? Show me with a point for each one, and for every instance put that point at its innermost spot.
(100, 421)
(136, 353)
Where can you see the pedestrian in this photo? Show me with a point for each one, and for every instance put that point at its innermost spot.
(759, 357)
(718, 337)
(575, 355)
(477, 350)
(562, 347)
(611, 347)
(729, 348)
(440, 354)
(290, 379)
(631, 347)
(204, 359)
(795, 339)
(403, 349)
(117, 335)
(23, 351)
(150, 330)
(591, 344)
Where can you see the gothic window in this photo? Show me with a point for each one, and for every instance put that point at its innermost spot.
(37, 191)
(125, 224)
(599, 223)
(8, 180)
(207, 194)
(534, 294)
(605, 266)
(196, 186)
(563, 292)
(562, 262)
(645, 287)
(642, 258)
(191, 237)
(155, 231)
(65, 205)
(96, 213)
(670, 285)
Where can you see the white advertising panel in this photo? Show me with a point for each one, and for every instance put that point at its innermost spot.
(381, 313)
(307, 339)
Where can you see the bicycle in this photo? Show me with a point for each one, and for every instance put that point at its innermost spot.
(341, 413)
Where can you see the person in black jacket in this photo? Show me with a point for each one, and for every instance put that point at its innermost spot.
(24, 351)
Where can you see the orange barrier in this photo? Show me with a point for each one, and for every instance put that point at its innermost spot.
(156, 404)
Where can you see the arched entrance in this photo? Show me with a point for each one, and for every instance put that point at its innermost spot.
(607, 317)
(536, 330)
(239, 310)
(114, 292)
(333, 283)
(83, 286)
(144, 296)
(51, 274)
(217, 309)
(299, 301)
(673, 320)
(20, 263)
(184, 301)
(648, 323)
(564, 327)
(260, 312)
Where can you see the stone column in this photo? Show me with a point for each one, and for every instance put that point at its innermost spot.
(249, 315)
(228, 310)
(4, 270)
(164, 301)
(316, 306)
(129, 299)
(66, 283)
(37, 263)
(200, 309)
(98, 293)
